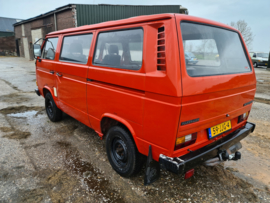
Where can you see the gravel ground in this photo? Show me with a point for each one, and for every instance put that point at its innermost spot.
(41, 161)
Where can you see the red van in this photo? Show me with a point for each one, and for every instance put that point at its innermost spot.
(131, 82)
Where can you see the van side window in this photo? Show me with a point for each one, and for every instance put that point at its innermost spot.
(49, 49)
(76, 48)
(120, 49)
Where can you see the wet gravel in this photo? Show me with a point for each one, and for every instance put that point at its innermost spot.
(67, 162)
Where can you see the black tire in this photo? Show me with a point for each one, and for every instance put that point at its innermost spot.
(255, 64)
(52, 110)
(122, 152)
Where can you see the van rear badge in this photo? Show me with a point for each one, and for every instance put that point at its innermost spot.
(248, 103)
(191, 121)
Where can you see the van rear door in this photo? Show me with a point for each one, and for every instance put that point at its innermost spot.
(220, 86)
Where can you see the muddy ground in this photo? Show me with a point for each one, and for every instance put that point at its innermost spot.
(41, 161)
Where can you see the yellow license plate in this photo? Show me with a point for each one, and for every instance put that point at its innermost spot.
(219, 129)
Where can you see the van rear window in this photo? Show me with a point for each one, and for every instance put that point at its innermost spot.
(212, 51)
(120, 49)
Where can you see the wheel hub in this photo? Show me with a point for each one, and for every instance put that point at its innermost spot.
(119, 151)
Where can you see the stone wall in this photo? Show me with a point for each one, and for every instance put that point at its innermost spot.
(7, 46)
(45, 25)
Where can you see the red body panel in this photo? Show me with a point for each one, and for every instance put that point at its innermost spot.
(151, 103)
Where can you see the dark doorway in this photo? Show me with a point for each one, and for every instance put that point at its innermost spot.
(17, 46)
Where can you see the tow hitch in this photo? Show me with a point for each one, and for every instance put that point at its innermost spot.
(224, 155)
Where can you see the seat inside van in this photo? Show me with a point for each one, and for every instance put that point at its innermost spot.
(113, 58)
(76, 52)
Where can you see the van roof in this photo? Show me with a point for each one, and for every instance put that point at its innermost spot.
(133, 20)
(137, 19)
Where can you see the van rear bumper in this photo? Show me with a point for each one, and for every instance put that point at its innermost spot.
(184, 163)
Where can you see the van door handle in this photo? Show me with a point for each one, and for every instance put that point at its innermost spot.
(59, 75)
(52, 72)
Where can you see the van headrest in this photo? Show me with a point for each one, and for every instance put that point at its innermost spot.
(75, 47)
(113, 49)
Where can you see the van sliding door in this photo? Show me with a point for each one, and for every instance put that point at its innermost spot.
(71, 75)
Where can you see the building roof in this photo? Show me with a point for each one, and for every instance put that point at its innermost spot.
(62, 8)
(6, 24)
(106, 12)
(127, 21)
(140, 19)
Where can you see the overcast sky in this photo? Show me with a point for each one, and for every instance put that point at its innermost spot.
(255, 12)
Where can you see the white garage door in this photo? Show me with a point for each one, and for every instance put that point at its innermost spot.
(36, 35)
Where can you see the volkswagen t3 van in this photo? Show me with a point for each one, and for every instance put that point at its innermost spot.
(129, 81)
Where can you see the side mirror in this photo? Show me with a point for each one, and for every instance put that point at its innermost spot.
(254, 55)
(37, 50)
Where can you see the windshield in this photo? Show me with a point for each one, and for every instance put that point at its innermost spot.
(263, 55)
(217, 51)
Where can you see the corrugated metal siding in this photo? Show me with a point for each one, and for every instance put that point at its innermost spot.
(92, 14)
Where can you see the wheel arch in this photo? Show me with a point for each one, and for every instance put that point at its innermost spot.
(45, 90)
(108, 120)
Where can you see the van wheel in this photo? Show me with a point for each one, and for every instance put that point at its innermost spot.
(255, 64)
(122, 152)
(52, 111)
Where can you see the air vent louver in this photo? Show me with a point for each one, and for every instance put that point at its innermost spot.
(161, 61)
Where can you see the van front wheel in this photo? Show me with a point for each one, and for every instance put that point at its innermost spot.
(52, 110)
(122, 152)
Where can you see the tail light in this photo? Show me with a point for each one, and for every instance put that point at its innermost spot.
(243, 117)
(185, 141)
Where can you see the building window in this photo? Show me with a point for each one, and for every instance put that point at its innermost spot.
(50, 48)
(76, 48)
(120, 49)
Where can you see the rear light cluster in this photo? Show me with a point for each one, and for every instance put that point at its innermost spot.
(242, 117)
(185, 141)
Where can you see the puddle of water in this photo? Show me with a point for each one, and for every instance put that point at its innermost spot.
(26, 114)
(90, 177)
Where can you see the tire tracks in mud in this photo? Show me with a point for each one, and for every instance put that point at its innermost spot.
(262, 100)
(92, 178)
(13, 132)
(17, 134)
(11, 85)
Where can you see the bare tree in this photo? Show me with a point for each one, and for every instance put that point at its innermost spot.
(245, 30)
(268, 64)
(190, 47)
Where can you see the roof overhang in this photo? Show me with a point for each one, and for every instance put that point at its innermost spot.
(59, 9)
